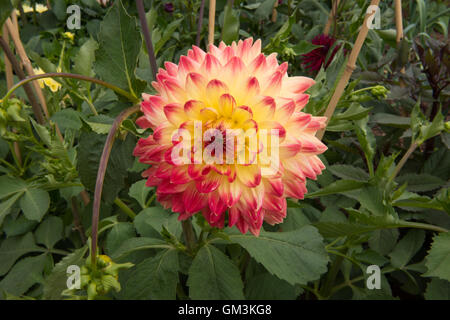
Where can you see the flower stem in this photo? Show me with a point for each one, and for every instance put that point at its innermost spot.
(188, 234)
(116, 89)
(200, 23)
(125, 208)
(331, 276)
(101, 176)
(402, 162)
(147, 37)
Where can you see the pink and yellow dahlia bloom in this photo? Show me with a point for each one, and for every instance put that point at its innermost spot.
(229, 87)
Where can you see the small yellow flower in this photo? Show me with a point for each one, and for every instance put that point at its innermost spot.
(39, 8)
(49, 82)
(68, 35)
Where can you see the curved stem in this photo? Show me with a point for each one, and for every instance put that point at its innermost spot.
(147, 36)
(101, 176)
(116, 89)
(426, 226)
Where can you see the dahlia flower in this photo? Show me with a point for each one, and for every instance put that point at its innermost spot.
(314, 59)
(203, 99)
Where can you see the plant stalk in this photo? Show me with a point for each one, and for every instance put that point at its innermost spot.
(331, 17)
(351, 65)
(116, 89)
(101, 176)
(147, 36)
(189, 235)
(200, 23)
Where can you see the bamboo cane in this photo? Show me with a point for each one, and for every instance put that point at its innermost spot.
(9, 84)
(399, 20)
(15, 36)
(8, 66)
(351, 65)
(11, 25)
(19, 72)
(211, 21)
(399, 26)
(274, 11)
(331, 17)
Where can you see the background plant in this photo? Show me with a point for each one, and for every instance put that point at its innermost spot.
(382, 200)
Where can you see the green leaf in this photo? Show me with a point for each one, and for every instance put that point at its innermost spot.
(56, 282)
(303, 47)
(119, 233)
(391, 120)
(230, 28)
(422, 15)
(339, 186)
(24, 275)
(139, 191)
(35, 203)
(420, 182)
(67, 119)
(119, 45)
(6, 205)
(354, 112)
(50, 231)
(42, 132)
(18, 226)
(432, 129)
(383, 240)
(438, 259)
(90, 148)
(413, 200)
(297, 256)
(371, 198)
(213, 276)
(10, 186)
(13, 248)
(265, 9)
(158, 218)
(388, 35)
(135, 244)
(345, 171)
(5, 11)
(168, 32)
(331, 229)
(366, 138)
(85, 58)
(406, 248)
(371, 257)
(154, 278)
(433, 165)
(98, 127)
(265, 286)
(438, 289)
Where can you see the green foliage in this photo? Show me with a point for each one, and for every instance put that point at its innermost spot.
(383, 198)
(119, 46)
(211, 266)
